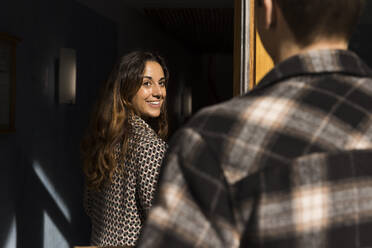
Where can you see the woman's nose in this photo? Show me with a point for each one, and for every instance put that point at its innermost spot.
(156, 91)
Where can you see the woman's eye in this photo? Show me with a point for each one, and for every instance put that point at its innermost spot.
(162, 83)
(146, 83)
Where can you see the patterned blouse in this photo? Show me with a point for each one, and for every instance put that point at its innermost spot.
(118, 211)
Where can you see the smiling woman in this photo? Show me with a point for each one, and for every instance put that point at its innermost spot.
(124, 147)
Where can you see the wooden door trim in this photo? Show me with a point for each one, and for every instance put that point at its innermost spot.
(252, 46)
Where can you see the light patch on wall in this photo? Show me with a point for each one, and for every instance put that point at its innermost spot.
(11, 240)
(51, 190)
(187, 102)
(52, 236)
(67, 76)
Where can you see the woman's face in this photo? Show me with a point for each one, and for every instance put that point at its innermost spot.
(150, 97)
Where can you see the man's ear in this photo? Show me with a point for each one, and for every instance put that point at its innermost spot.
(270, 13)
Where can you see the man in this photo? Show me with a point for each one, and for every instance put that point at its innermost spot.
(289, 163)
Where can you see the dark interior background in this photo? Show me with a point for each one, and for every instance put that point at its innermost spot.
(41, 181)
(40, 168)
(208, 34)
(362, 37)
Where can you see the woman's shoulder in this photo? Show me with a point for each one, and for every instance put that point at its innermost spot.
(147, 147)
(144, 135)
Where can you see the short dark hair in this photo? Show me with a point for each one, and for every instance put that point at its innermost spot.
(309, 19)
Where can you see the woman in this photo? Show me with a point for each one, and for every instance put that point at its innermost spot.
(124, 147)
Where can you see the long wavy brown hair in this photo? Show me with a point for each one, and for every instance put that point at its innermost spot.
(109, 121)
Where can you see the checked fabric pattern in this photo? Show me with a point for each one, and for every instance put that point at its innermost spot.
(118, 211)
(286, 165)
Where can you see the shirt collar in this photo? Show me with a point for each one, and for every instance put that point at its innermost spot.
(317, 62)
(138, 123)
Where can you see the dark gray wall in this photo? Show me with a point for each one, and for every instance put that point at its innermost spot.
(40, 170)
(215, 85)
(40, 173)
(362, 37)
(137, 31)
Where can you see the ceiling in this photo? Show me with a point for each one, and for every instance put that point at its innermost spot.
(180, 3)
(203, 29)
(203, 25)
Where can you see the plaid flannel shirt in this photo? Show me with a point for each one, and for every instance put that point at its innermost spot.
(286, 165)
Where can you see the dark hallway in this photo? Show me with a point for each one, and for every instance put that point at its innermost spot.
(41, 178)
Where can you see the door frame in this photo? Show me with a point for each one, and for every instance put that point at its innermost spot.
(244, 47)
(251, 61)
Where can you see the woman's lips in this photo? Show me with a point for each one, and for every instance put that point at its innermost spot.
(154, 104)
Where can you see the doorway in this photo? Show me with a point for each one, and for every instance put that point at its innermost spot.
(208, 33)
(252, 62)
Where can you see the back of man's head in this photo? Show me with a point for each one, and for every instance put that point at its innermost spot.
(310, 19)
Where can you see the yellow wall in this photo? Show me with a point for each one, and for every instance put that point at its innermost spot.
(264, 62)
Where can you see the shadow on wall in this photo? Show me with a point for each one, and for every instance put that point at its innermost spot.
(46, 214)
(9, 191)
(43, 211)
(48, 204)
(41, 182)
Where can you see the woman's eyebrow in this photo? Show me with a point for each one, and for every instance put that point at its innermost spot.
(148, 77)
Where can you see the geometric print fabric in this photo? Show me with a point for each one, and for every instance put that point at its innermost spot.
(118, 211)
